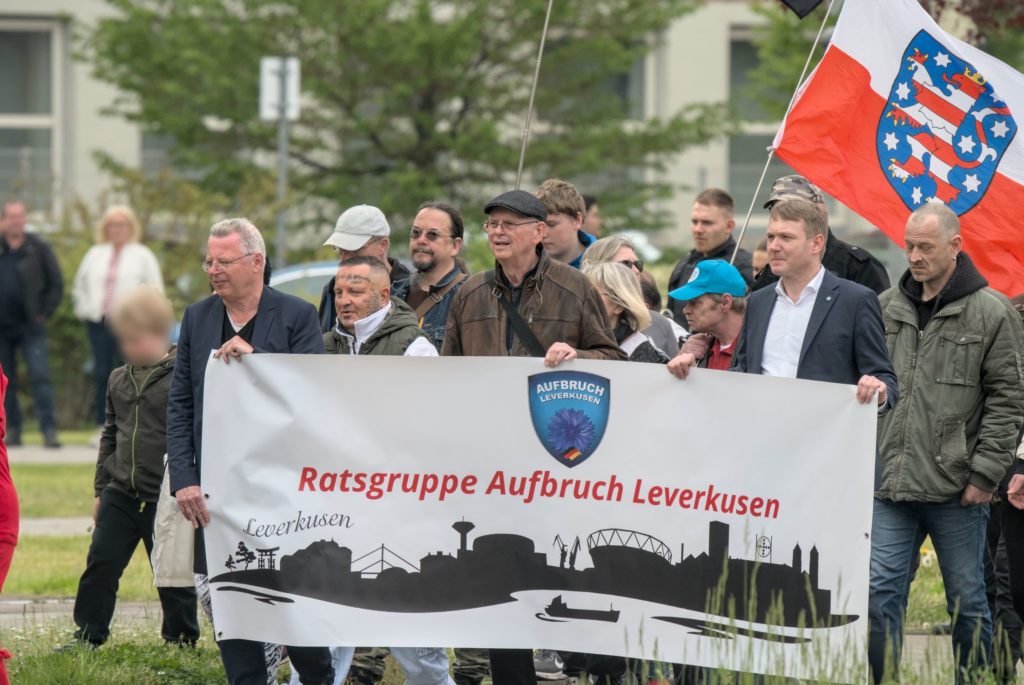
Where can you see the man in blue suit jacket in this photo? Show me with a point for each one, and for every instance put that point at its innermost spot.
(813, 324)
(241, 317)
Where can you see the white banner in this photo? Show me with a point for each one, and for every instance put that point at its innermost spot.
(477, 502)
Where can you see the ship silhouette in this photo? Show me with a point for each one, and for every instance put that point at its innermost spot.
(626, 564)
(559, 609)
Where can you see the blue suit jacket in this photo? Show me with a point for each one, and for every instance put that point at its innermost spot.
(845, 336)
(283, 324)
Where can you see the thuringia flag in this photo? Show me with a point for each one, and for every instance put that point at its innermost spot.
(899, 113)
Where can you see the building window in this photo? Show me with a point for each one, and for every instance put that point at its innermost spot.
(29, 112)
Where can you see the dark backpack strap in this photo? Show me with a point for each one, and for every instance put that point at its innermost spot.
(519, 327)
(435, 298)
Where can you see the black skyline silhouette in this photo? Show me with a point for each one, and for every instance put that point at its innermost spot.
(626, 564)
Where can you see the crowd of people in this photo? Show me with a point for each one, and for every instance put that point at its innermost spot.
(939, 355)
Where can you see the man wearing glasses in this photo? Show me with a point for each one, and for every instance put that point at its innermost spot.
(435, 242)
(529, 305)
(241, 317)
(361, 231)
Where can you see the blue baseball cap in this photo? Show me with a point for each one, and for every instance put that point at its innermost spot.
(712, 276)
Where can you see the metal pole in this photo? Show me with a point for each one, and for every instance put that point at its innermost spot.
(533, 92)
(771, 150)
(281, 239)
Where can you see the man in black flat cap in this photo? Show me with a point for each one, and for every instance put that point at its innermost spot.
(529, 305)
(841, 258)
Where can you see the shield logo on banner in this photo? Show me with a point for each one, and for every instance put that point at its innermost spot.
(570, 412)
(944, 129)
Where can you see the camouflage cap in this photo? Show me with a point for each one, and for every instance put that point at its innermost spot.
(794, 187)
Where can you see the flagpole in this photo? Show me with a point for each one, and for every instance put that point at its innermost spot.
(533, 92)
(771, 149)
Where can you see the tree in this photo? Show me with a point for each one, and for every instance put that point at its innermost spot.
(403, 100)
(244, 555)
(996, 26)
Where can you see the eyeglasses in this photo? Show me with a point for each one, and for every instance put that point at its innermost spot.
(637, 264)
(431, 234)
(506, 226)
(209, 265)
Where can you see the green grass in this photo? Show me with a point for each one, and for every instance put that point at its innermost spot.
(51, 567)
(927, 605)
(74, 436)
(54, 490)
(134, 656)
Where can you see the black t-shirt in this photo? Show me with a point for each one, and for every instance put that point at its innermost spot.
(228, 331)
(12, 295)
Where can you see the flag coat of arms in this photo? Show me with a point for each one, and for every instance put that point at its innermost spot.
(899, 113)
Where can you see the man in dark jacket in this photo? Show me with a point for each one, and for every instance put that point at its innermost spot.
(712, 223)
(956, 346)
(435, 242)
(361, 231)
(841, 258)
(130, 470)
(31, 286)
(242, 316)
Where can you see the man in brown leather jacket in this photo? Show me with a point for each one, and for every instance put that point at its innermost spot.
(561, 314)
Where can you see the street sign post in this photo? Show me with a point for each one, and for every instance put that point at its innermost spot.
(279, 101)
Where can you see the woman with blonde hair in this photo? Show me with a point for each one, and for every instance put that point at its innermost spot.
(664, 333)
(628, 315)
(117, 263)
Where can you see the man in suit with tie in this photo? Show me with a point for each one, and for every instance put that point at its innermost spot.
(812, 324)
(241, 317)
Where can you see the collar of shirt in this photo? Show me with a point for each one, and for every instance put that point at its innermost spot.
(364, 328)
(810, 290)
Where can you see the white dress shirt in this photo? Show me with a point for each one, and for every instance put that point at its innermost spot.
(787, 328)
(364, 328)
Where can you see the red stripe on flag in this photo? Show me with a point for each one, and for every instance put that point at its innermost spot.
(830, 137)
(936, 103)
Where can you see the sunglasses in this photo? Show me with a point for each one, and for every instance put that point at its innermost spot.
(637, 264)
(431, 234)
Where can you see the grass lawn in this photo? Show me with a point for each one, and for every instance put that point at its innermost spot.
(134, 656)
(54, 490)
(51, 566)
(80, 436)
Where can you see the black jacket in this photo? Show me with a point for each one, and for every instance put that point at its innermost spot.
(844, 260)
(41, 280)
(134, 438)
(681, 274)
(328, 317)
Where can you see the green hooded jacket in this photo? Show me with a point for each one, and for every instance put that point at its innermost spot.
(134, 438)
(398, 330)
(958, 362)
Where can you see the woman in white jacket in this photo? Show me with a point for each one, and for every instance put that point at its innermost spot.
(116, 264)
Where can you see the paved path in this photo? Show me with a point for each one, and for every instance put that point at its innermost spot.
(62, 527)
(69, 454)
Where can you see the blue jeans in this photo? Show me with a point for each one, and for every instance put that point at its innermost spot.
(104, 359)
(959, 535)
(32, 342)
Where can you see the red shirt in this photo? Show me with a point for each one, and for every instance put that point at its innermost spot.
(8, 496)
(720, 358)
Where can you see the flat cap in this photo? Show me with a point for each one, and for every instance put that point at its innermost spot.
(794, 187)
(520, 202)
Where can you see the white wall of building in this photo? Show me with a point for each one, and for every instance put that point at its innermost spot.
(77, 127)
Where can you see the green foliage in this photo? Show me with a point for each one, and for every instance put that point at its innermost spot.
(402, 99)
(996, 26)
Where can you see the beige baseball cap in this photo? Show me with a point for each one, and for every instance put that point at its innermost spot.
(356, 226)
